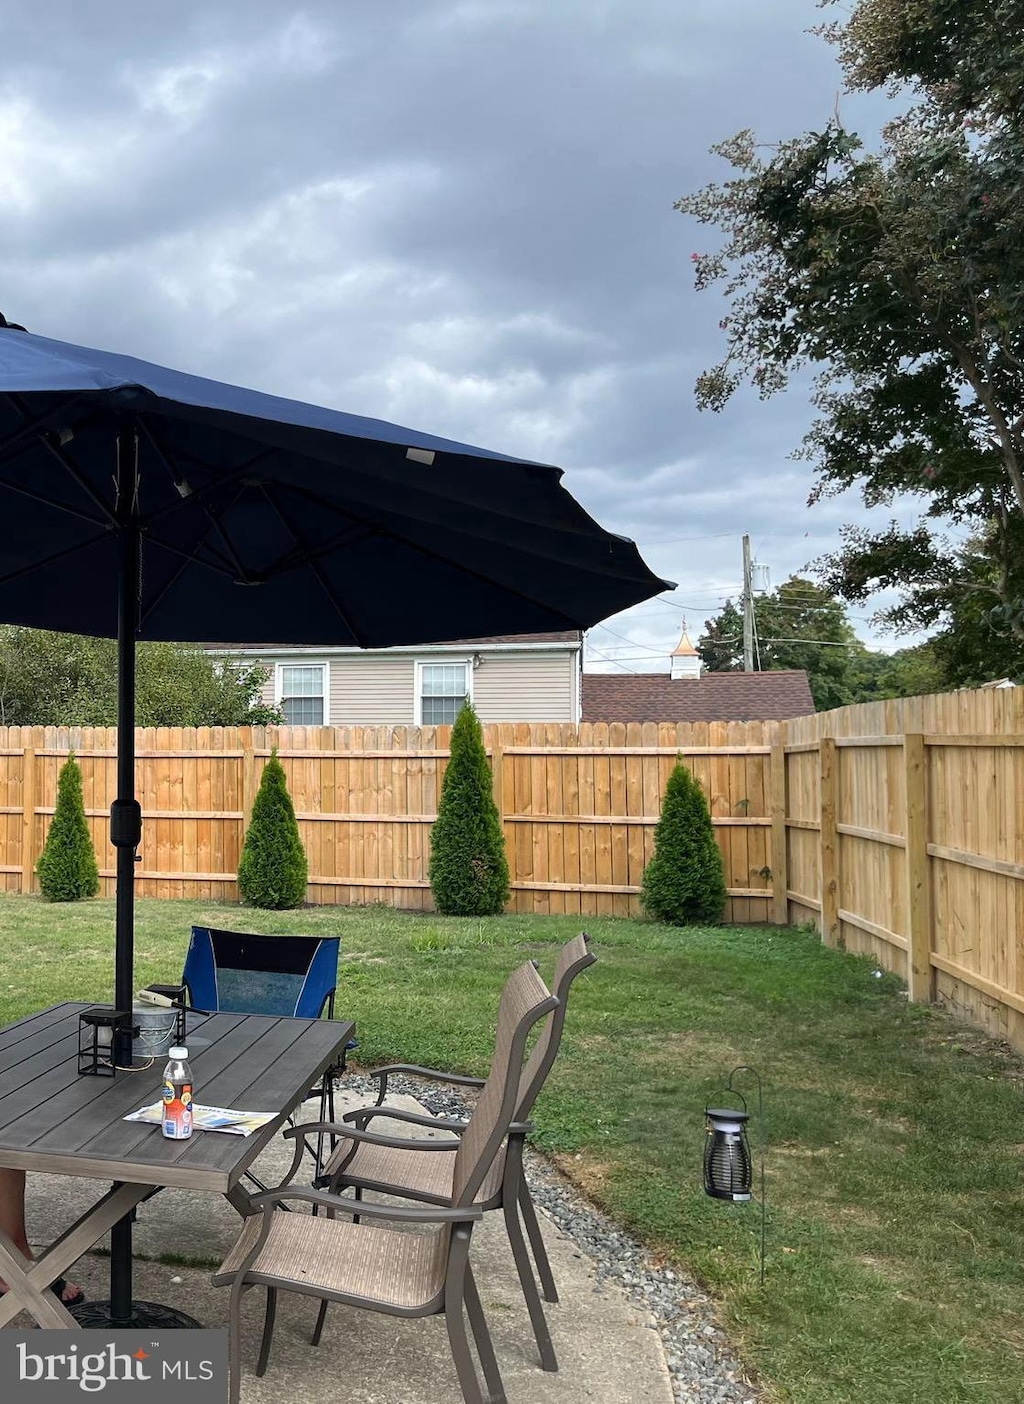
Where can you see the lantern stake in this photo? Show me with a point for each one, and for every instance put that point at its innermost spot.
(730, 1087)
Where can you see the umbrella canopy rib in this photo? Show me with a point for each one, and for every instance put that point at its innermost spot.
(324, 584)
(35, 566)
(162, 458)
(187, 558)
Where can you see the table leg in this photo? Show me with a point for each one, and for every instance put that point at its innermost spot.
(29, 1282)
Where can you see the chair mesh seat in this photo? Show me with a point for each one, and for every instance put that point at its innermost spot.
(427, 1173)
(404, 1270)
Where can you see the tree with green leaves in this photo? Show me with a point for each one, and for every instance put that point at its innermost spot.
(799, 625)
(468, 866)
(803, 625)
(52, 679)
(67, 865)
(273, 870)
(895, 274)
(684, 883)
(911, 672)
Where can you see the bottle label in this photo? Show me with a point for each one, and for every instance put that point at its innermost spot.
(177, 1125)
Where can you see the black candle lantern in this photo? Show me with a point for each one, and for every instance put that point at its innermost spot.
(98, 1029)
(728, 1167)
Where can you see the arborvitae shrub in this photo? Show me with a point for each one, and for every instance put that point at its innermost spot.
(67, 865)
(684, 883)
(273, 870)
(468, 867)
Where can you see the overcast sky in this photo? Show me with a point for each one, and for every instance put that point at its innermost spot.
(458, 216)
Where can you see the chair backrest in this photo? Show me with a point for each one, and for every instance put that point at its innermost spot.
(233, 972)
(524, 1000)
(574, 956)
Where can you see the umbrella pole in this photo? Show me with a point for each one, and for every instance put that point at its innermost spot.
(125, 824)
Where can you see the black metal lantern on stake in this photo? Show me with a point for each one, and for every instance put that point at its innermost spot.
(728, 1168)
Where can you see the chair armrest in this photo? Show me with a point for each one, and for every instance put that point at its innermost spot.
(362, 1115)
(362, 1209)
(430, 1074)
(352, 1133)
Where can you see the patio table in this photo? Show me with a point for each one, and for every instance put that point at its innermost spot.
(57, 1122)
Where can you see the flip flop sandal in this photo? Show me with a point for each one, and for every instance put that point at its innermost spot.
(57, 1288)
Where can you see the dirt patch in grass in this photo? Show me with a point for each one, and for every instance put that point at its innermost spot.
(892, 1272)
(588, 1174)
(796, 1152)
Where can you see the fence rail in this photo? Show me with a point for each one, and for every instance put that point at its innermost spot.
(894, 827)
(904, 824)
(578, 807)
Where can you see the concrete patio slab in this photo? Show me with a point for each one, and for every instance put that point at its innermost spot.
(608, 1350)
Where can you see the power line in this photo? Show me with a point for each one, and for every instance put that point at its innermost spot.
(824, 643)
(608, 659)
(647, 647)
(678, 540)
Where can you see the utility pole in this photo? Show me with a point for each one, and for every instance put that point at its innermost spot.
(748, 609)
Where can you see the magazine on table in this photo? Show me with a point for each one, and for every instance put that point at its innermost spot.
(236, 1123)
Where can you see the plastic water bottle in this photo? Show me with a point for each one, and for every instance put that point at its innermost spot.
(177, 1122)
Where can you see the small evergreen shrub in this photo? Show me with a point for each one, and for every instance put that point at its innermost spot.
(67, 865)
(468, 867)
(273, 870)
(684, 883)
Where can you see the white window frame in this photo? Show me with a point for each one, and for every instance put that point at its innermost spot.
(422, 663)
(325, 678)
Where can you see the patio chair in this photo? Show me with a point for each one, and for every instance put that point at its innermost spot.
(417, 1173)
(237, 972)
(363, 1263)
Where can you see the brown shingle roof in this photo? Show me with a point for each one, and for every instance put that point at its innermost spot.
(626, 697)
(567, 636)
(562, 636)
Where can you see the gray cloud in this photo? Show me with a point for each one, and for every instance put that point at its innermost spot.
(455, 215)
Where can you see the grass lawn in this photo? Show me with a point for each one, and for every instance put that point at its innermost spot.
(896, 1158)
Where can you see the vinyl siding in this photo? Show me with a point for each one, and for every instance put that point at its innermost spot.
(514, 687)
(372, 691)
(375, 690)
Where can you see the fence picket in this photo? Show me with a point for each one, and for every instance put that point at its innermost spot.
(927, 823)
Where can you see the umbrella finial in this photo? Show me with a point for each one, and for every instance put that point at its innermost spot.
(11, 326)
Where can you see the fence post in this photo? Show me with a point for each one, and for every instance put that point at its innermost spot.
(829, 842)
(28, 819)
(248, 777)
(920, 974)
(498, 779)
(780, 865)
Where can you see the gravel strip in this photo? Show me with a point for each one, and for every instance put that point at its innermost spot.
(702, 1365)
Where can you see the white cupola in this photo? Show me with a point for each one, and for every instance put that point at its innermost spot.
(685, 658)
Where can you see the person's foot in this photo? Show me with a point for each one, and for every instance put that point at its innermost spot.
(70, 1294)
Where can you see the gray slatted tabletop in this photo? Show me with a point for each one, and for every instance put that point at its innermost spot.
(55, 1121)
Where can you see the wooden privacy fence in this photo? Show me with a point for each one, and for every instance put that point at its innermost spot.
(578, 805)
(895, 827)
(904, 823)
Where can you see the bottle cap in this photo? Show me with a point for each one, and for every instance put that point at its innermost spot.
(177, 1052)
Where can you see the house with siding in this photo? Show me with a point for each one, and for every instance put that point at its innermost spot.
(686, 694)
(508, 678)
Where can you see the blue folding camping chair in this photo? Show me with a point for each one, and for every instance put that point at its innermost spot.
(236, 972)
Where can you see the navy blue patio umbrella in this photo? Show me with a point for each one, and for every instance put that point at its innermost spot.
(144, 503)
